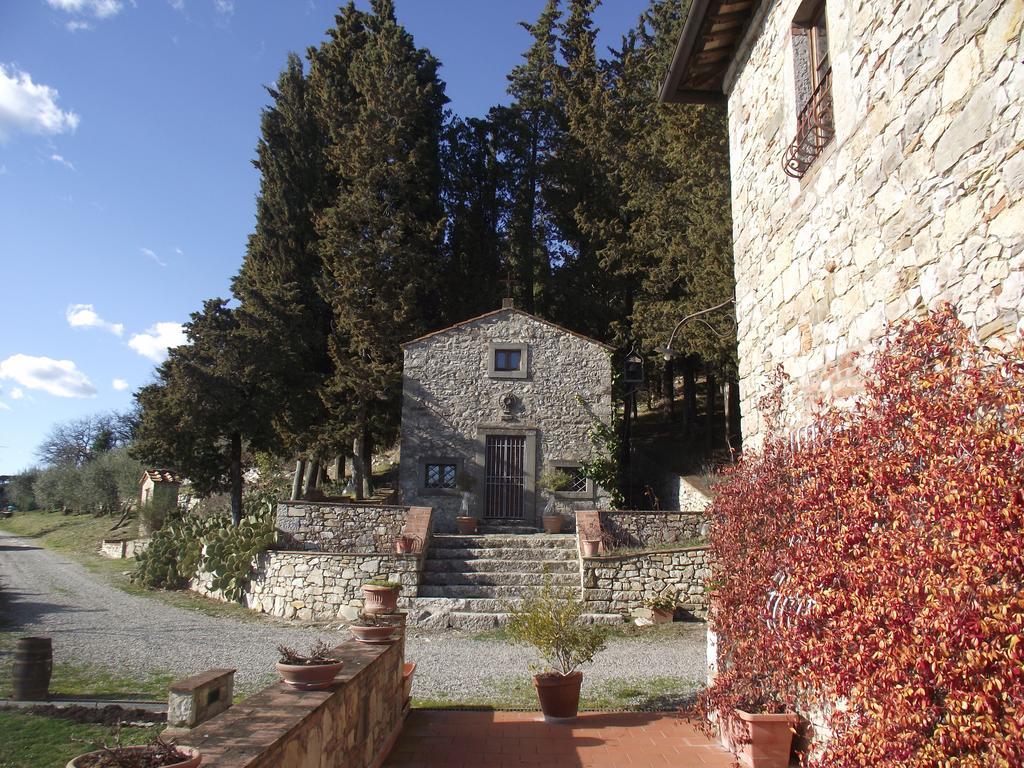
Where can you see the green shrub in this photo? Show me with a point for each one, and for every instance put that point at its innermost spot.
(552, 622)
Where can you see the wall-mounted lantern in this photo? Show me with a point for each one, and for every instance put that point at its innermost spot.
(633, 375)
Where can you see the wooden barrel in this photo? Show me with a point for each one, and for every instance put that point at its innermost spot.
(33, 665)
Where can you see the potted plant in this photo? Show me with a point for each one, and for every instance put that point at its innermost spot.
(552, 622)
(663, 606)
(465, 522)
(369, 629)
(380, 596)
(313, 671)
(590, 547)
(157, 754)
(553, 481)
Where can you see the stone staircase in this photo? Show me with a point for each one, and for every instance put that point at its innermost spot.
(468, 582)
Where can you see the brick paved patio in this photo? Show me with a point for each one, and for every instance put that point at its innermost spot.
(437, 739)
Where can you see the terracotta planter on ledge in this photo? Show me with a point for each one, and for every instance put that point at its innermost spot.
(466, 525)
(758, 741)
(309, 677)
(407, 545)
(559, 695)
(590, 547)
(553, 523)
(378, 599)
(372, 634)
(83, 761)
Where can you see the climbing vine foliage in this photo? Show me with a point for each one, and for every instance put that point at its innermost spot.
(876, 573)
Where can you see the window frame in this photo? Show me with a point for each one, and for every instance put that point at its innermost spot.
(426, 490)
(521, 372)
(569, 464)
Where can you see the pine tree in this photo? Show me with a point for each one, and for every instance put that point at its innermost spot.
(380, 234)
(281, 310)
(208, 402)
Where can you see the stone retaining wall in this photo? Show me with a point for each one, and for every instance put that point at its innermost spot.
(317, 585)
(354, 723)
(338, 527)
(119, 549)
(620, 583)
(635, 528)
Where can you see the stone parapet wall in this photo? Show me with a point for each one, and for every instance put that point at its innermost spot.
(118, 549)
(338, 527)
(318, 586)
(916, 201)
(354, 723)
(620, 583)
(633, 528)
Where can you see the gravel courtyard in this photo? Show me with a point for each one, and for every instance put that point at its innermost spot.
(95, 623)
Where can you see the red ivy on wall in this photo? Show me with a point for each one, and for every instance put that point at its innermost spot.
(876, 573)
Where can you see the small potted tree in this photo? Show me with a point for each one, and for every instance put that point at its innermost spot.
(157, 754)
(380, 596)
(406, 544)
(552, 622)
(312, 671)
(552, 481)
(663, 606)
(465, 522)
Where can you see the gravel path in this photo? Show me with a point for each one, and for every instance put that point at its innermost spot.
(93, 622)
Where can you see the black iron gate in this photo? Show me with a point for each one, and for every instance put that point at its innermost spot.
(505, 470)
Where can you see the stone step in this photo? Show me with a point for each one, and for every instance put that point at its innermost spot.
(498, 565)
(543, 540)
(500, 579)
(473, 613)
(507, 530)
(481, 590)
(501, 553)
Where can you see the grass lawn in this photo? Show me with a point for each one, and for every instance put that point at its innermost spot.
(656, 693)
(79, 536)
(34, 741)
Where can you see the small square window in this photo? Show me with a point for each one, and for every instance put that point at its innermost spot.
(439, 476)
(578, 483)
(507, 359)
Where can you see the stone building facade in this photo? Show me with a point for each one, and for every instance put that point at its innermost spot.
(914, 198)
(489, 405)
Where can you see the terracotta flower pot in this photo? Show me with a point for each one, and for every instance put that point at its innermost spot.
(590, 547)
(379, 599)
(309, 677)
(405, 545)
(662, 615)
(193, 760)
(559, 695)
(466, 525)
(761, 741)
(372, 634)
(553, 523)
(407, 671)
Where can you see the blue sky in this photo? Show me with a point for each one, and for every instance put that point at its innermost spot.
(127, 131)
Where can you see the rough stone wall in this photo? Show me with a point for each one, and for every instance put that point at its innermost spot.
(336, 527)
(917, 200)
(641, 528)
(318, 586)
(619, 584)
(354, 723)
(448, 395)
(691, 497)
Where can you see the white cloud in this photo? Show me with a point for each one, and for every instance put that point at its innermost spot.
(84, 316)
(77, 26)
(60, 378)
(225, 7)
(17, 393)
(178, 5)
(99, 8)
(27, 107)
(152, 255)
(60, 159)
(155, 341)
(4, 406)
(119, 384)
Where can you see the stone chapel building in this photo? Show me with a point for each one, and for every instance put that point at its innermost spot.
(491, 403)
(877, 163)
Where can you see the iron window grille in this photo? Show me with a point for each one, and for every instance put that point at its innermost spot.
(815, 123)
(578, 482)
(439, 476)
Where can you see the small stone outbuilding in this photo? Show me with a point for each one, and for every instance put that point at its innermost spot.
(159, 486)
(491, 403)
